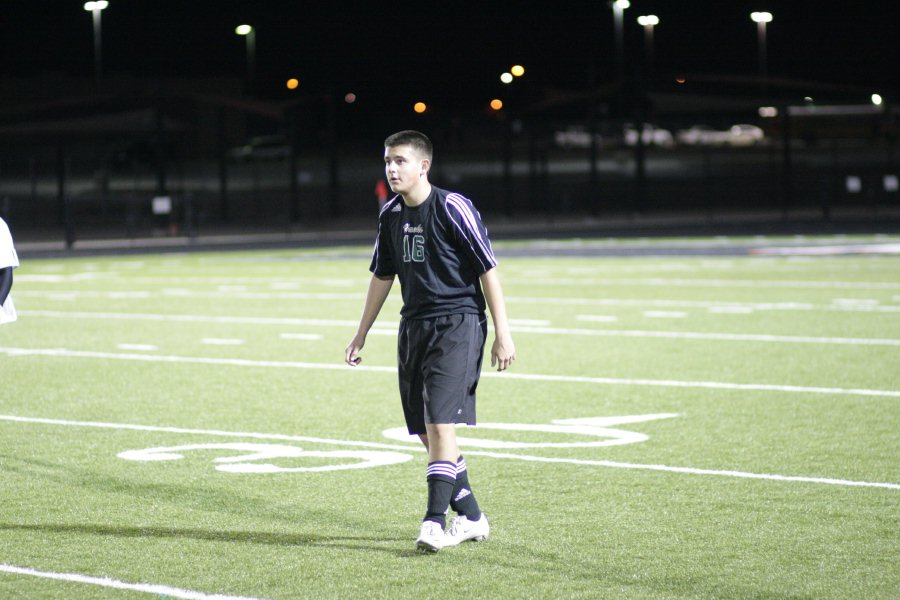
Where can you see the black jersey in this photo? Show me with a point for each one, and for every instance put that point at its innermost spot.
(438, 250)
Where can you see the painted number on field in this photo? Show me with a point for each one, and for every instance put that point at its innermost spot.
(599, 431)
(249, 461)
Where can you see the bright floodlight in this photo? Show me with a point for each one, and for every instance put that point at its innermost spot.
(506, 77)
(761, 17)
(517, 70)
(648, 20)
(99, 5)
(877, 99)
(243, 29)
(622, 4)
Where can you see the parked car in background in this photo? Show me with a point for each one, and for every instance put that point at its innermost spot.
(651, 135)
(744, 135)
(572, 138)
(741, 134)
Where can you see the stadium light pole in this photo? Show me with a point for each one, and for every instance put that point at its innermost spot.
(249, 34)
(619, 7)
(762, 19)
(648, 22)
(95, 8)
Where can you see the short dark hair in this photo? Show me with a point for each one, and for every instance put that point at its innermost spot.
(418, 140)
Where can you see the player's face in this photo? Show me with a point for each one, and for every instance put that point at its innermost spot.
(404, 168)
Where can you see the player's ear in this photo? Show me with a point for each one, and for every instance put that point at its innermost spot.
(425, 164)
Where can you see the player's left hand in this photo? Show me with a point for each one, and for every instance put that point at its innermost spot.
(503, 353)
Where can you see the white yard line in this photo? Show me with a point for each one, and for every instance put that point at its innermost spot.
(509, 278)
(416, 448)
(161, 591)
(688, 335)
(244, 362)
(702, 282)
(188, 318)
(838, 305)
(698, 335)
(211, 432)
(707, 304)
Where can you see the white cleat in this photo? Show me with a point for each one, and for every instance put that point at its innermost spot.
(431, 537)
(462, 529)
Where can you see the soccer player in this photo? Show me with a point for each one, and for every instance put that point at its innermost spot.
(434, 241)
(8, 261)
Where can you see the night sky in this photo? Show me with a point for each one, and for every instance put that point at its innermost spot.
(450, 50)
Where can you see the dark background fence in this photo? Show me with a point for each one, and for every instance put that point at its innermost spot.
(179, 164)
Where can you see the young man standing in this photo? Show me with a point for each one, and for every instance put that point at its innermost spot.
(434, 241)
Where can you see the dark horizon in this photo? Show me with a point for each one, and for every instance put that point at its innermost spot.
(452, 56)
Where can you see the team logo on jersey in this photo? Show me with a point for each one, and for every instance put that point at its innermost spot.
(407, 228)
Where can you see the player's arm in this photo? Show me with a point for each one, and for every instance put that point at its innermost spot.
(379, 288)
(6, 280)
(503, 352)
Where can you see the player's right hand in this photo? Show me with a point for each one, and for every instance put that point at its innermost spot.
(351, 354)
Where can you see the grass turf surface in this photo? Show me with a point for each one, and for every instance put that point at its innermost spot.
(778, 478)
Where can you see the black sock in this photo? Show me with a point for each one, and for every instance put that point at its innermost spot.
(441, 477)
(463, 499)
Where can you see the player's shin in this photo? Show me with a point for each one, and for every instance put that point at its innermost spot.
(463, 499)
(441, 477)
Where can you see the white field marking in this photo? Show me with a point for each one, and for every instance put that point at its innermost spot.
(392, 332)
(162, 591)
(597, 318)
(855, 302)
(211, 432)
(726, 283)
(309, 337)
(690, 470)
(799, 306)
(139, 347)
(184, 293)
(533, 322)
(61, 297)
(829, 250)
(240, 362)
(692, 335)
(702, 335)
(419, 448)
(39, 278)
(593, 427)
(189, 318)
(245, 463)
(665, 314)
(222, 341)
(731, 310)
(169, 292)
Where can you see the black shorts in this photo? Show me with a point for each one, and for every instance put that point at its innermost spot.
(439, 365)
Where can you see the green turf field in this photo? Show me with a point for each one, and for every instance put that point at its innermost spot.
(183, 426)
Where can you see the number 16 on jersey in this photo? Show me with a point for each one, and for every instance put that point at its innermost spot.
(413, 248)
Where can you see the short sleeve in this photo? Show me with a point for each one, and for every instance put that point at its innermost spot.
(382, 258)
(470, 233)
(8, 256)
